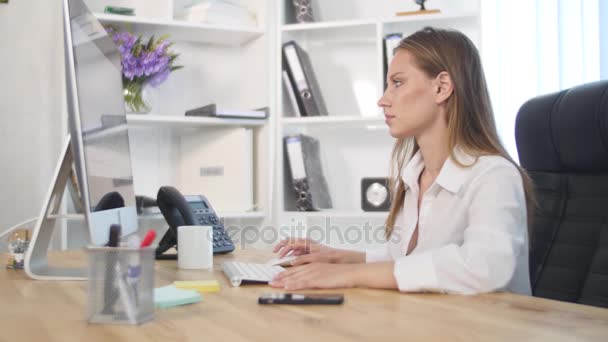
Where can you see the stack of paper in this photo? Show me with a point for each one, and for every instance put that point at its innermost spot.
(218, 12)
(168, 296)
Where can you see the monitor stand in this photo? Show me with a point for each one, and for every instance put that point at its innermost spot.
(36, 258)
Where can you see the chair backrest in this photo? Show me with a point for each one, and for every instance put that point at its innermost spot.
(562, 141)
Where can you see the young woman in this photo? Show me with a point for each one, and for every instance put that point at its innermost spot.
(458, 221)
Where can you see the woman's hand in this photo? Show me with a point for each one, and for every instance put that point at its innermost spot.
(298, 246)
(325, 276)
(309, 251)
(316, 276)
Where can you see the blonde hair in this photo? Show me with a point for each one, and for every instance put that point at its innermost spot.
(470, 118)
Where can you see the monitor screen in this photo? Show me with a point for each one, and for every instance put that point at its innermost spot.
(98, 125)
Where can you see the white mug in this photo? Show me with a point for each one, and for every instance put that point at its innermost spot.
(195, 247)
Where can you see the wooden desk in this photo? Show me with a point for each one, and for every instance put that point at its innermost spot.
(56, 311)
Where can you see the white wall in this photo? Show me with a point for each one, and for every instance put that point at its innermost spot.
(31, 105)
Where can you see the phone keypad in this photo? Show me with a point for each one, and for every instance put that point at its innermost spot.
(221, 241)
(207, 217)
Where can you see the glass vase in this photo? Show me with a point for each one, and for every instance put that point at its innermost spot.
(136, 101)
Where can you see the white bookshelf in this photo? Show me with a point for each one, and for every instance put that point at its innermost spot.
(183, 31)
(227, 65)
(327, 25)
(427, 19)
(346, 52)
(189, 122)
(239, 67)
(159, 216)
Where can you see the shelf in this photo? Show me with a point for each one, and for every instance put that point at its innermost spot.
(358, 23)
(159, 216)
(105, 133)
(427, 17)
(322, 120)
(226, 215)
(327, 25)
(182, 30)
(145, 120)
(338, 214)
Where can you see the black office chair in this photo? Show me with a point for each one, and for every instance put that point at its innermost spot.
(562, 141)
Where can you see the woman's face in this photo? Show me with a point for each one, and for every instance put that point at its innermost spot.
(410, 100)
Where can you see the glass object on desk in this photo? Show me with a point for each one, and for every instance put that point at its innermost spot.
(121, 285)
(18, 242)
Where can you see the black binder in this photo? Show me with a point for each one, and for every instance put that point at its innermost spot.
(303, 79)
(303, 166)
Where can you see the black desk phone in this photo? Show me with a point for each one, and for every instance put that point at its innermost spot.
(180, 210)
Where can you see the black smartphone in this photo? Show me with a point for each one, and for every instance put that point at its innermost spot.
(300, 298)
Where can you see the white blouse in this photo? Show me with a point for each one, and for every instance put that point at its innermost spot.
(472, 229)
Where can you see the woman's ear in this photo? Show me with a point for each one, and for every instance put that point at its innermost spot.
(444, 87)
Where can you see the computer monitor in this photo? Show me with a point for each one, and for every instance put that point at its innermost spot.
(98, 148)
(98, 125)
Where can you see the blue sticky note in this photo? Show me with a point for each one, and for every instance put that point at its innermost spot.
(168, 296)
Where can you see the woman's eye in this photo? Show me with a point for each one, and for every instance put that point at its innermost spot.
(396, 83)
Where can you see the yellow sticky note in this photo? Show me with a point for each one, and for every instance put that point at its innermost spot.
(199, 285)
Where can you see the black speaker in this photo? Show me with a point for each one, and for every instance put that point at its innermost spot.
(375, 195)
(304, 197)
(303, 11)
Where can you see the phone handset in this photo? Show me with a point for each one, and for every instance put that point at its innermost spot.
(177, 212)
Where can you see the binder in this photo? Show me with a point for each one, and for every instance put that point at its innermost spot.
(303, 79)
(310, 190)
(390, 42)
(291, 95)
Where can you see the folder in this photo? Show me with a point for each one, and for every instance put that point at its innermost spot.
(303, 79)
(310, 190)
(390, 42)
(291, 95)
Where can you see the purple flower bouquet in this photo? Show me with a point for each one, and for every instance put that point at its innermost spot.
(143, 63)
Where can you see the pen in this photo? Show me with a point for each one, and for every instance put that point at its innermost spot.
(111, 261)
(148, 239)
(114, 235)
(133, 268)
(126, 296)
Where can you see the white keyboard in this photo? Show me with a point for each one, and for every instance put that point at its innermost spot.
(239, 272)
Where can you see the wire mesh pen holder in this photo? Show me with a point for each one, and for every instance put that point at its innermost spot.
(121, 285)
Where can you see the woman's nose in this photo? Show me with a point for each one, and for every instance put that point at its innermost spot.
(383, 102)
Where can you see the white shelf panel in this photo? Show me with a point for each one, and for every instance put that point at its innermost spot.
(183, 31)
(159, 216)
(337, 214)
(427, 17)
(105, 133)
(391, 20)
(327, 25)
(322, 120)
(226, 215)
(144, 120)
(242, 215)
